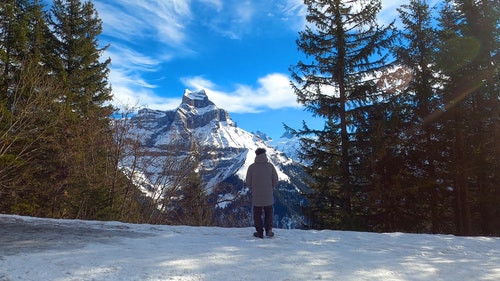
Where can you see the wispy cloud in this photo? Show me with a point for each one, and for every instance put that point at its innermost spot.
(293, 12)
(272, 91)
(146, 35)
(131, 90)
(143, 35)
(131, 60)
(155, 20)
(126, 97)
(230, 18)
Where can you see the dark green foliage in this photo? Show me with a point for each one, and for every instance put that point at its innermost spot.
(58, 157)
(75, 28)
(193, 206)
(345, 47)
(421, 156)
(468, 51)
(406, 185)
(412, 147)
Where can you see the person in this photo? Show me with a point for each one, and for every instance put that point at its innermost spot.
(261, 178)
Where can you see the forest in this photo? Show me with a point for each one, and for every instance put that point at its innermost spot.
(409, 143)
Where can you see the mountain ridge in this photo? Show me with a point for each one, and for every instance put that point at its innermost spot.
(226, 153)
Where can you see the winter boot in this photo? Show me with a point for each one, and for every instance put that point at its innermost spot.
(258, 234)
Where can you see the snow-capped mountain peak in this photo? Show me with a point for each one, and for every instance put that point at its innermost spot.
(227, 150)
(196, 98)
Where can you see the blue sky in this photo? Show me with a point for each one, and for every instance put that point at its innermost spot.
(238, 51)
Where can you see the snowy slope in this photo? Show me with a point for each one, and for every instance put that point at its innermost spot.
(34, 249)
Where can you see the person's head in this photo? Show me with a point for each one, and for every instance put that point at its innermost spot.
(260, 151)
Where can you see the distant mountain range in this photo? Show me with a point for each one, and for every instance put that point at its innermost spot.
(224, 152)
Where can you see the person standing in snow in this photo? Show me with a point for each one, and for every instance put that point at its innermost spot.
(261, 179)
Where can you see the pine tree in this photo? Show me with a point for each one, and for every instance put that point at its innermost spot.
(85, 134)
(468, 59)
(58, 153)
(76, 28)
(193, 206)
(344, 47)
(27, 111)
(13, 43)
(422, 100)
(36, 120)
(389, 199)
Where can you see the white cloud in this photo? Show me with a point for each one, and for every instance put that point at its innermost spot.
(277, 92)
(294, 13)
(273, 92)
(236, 19)
(131, 91)
(126, 97)
(123, 57)
(165, 27)
(161, 28)
(121, 24)
(157, 20)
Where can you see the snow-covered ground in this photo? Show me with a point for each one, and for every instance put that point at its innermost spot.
(48, 249)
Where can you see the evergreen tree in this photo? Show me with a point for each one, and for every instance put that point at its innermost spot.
(28, 110)
(389, 200)
(76, 27)
(85, 135)
(30, 172)
(58, 155)
(345, 46)
(13, 43)
(193, 207)
(420, 102)
(468, 59)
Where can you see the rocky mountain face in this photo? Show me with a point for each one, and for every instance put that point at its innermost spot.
(201, 132)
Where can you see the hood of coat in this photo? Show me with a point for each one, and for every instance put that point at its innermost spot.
(261, 158)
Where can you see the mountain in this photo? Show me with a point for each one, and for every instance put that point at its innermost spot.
(289, 145)
(198, 128)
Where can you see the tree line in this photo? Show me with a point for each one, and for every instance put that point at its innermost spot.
(411, 116)
(409, 141)
(61, 141)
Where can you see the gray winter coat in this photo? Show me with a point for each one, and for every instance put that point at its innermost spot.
(261, 178)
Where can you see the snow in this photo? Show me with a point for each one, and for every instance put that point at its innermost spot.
(195, 95)
(49, 249)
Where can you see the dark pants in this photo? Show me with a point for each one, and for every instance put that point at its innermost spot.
(268, 218)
